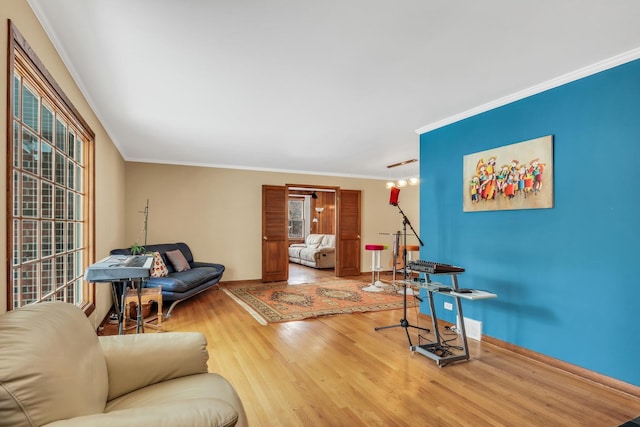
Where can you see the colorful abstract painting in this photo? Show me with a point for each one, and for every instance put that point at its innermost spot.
(516, 176)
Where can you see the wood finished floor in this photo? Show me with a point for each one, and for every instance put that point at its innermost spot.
(338, 371)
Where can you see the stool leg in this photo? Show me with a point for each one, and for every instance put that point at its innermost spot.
(378, 282)
(126, 315)
(372, 287)
(373, 267)
(159, 302)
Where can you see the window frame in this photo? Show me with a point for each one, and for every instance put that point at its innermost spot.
(23, 60)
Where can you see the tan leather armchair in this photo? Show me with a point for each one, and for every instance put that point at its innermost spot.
(55, 371)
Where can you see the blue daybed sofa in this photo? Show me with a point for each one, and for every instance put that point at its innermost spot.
(178, 286)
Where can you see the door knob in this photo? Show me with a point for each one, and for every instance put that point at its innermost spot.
(265, 238)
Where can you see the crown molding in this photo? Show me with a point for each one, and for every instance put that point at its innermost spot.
(550, 84)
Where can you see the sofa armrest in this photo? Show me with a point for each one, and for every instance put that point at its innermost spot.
(196, 264)
(136, 361)
(326, 249)
(191, 412)
(297, 245)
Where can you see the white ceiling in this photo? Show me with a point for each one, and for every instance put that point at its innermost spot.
(330, 87)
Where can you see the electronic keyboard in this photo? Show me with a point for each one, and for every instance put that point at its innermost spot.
(119, 267)
(432, 267)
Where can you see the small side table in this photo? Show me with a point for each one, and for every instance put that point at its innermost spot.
(147, 295)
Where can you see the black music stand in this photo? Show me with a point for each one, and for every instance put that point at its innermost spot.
(404, 323)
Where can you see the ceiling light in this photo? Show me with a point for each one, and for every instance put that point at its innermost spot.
(413, 181)
(406, 162)
(390, 185)
(402, 183)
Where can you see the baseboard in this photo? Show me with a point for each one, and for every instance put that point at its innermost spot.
(243, 282)
(586, 374)
(583, 373)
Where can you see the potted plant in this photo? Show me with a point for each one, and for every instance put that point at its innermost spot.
(137, 249)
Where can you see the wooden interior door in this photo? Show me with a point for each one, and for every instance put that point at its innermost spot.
(275, 257)
(348, 233)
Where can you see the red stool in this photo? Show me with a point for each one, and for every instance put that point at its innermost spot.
(376, 285)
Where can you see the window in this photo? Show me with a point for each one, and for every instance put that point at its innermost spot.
(50, 155)
(296, 219)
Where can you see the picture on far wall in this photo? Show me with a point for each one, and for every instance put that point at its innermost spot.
(516, 176)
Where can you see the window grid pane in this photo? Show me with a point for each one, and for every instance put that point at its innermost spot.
(59, 275)
(70, 205)
(30, 151)
(46, 201)
(29, 288)
(30, 108)
(17, 296)
(16, 242)
(59, 203)
(30, 239)
(60, 246)
(16, 96)
(60, 168)
(70, 238)
(61, 135)
(47, 161)
(16, 194)
(29, 196)
(47, 123)
(70, 266)
(16, 145)
(47, 277)
(47, 239)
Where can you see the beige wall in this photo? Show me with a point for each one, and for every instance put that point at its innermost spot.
(110, 170)
(218, 212)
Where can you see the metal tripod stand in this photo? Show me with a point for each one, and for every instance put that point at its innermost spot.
(404, 323)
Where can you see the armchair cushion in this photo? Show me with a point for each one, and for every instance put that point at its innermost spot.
(208, 412)
(136, 361)
(52, 365)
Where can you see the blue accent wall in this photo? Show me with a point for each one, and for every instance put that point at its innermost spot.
(567, 278)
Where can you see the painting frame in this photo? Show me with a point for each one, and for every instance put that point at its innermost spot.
(511, 177)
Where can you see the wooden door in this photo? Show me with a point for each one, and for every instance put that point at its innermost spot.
(275, 257)
(348, 233)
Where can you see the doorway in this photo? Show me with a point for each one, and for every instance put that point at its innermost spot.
(311, 211)
(345, 214)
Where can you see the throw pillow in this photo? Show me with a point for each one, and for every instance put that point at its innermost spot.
(159, 268)
(178, 260)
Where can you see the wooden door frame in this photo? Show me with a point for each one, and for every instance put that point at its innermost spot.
(285, 255)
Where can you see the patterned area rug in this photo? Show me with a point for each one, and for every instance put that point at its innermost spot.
(283, 303)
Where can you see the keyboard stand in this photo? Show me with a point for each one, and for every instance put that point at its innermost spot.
(437, 350)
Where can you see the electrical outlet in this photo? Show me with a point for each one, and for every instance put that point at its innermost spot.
(448, 306)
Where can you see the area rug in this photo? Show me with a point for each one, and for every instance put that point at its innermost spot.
(283, 303)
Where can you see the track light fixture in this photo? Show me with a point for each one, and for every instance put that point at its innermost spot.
(402, 182)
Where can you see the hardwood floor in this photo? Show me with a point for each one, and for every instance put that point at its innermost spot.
(338, 371)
